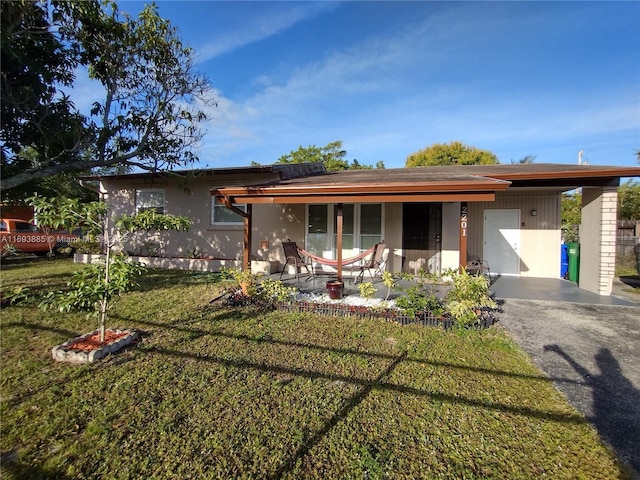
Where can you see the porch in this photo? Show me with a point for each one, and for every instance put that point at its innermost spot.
(503, 288)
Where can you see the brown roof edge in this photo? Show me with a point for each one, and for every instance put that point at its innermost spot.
(488, 196)
(475, 185)
(595, 171)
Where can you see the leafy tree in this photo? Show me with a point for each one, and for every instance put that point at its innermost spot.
(153, 99)
(571, 216)
(65, 185)
(37, 119)
(331, 156)
(453, 153)
(93, 288)
(629, 201)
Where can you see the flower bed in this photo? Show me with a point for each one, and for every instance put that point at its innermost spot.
(322, 305)
(394, 315)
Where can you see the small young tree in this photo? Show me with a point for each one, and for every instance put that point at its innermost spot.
(93, 288)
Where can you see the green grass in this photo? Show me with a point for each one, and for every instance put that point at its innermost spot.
(218, 393)
(626, 266)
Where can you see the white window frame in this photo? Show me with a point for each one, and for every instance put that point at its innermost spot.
(215, 205)
(357, 224)
(140, 208)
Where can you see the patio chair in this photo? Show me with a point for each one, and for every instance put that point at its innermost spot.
(292, 256)
(375, 263)
(477, 266)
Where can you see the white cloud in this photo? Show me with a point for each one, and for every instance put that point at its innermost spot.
(261, 24)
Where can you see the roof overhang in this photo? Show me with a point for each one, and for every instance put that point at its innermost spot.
(469, 188)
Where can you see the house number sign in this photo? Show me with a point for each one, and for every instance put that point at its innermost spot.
(463, 219)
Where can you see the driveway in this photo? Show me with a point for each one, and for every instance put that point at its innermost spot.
(592, 353)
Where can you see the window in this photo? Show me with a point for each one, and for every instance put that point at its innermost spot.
(150, 200)
(361, 228)
(221, 215)
(370, 225)
(3, 226)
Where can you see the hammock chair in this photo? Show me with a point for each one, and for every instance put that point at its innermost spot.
(334, 263)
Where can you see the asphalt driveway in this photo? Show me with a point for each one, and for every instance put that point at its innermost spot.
(592, 353)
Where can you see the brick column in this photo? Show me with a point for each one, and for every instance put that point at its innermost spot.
(598, 239)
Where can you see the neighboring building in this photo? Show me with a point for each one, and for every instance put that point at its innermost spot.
(431, 217)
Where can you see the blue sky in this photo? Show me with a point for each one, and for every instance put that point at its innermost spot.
(389, 78)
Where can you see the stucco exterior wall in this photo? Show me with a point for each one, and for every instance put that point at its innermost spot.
(190, 198)
(273, 224)
(540, 235)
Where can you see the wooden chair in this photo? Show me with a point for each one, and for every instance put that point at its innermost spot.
(292, 256)
(375, 263)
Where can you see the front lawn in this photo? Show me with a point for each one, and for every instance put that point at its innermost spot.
(220, 393)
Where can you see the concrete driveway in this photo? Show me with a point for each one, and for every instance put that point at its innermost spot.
(592, 353)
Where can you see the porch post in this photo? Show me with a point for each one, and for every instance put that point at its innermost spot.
(598, 239)
(246, 255)
(464, 223)
(339, 239)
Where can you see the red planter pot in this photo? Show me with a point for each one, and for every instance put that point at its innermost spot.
(335, 289)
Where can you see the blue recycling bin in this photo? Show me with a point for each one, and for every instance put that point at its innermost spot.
(564, 260)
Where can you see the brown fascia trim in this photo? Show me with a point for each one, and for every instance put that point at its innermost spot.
(418, 188)
(593, 172)
(379, 198)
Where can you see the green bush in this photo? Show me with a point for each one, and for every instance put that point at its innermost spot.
(275, 291)
(367, 290)
(468, 295)
(418, 300)
(87, 247)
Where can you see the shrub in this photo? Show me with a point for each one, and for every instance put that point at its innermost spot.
(468, 295)
(367, 290)
(388, 281)
(274, 291)
(244, 279)
(419, 300)
(87, 246)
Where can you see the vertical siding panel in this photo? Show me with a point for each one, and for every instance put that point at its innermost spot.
(539, 235)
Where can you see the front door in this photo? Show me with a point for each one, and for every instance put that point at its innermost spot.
(502, 241)
(421, 233)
